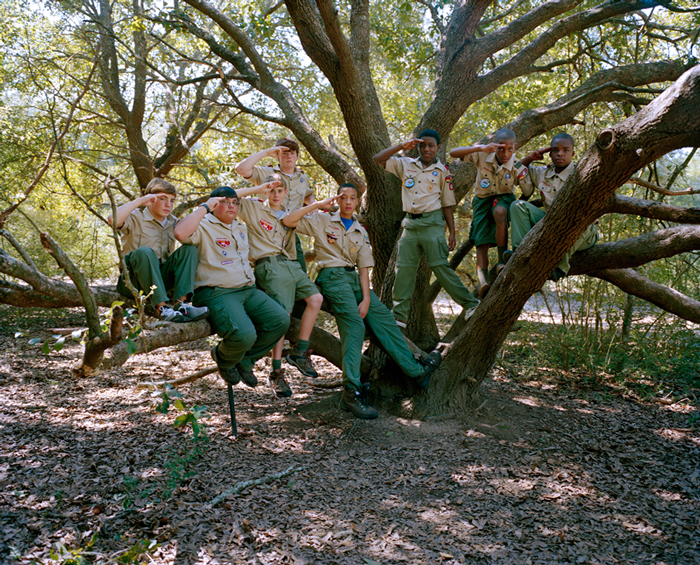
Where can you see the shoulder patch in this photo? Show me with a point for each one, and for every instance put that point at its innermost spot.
(522, 174)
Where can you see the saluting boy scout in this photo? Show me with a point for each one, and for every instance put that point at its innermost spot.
(342, 249)
(548, 180)
(148, 243)
(428, 200)
(299, 192)
(278, 274)
(497, 174)
(248, 321)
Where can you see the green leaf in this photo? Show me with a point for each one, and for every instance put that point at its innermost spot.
(131, 347)
(34, 340)
(181, 420)
(180, 405)
(59, 344)
(46, 348)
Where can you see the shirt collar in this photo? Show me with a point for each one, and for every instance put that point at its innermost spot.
(296, 172)
(436, 165)
(491, 158)
(335, 217)
(150, 218)
(214, 220)
(551, 172)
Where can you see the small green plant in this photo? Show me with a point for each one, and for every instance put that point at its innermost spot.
(138, 551)
(67, 556)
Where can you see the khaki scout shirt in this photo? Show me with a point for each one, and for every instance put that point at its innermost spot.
(492, 178)
(297, 185)
(423, 190)
(334, 246)
(268, 235)
(223, 254)
(141, 229)
(549, 182)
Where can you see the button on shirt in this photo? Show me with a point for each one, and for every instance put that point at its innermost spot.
(223, 254)
(268, 235)
(141, 229)
(334, 246)
(492, 178)
(422, 190)
(297, 184)
(549, 182)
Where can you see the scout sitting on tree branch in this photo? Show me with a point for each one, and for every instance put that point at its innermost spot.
(146, 225)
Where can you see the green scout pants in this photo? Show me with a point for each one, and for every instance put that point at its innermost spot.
(483, 229)
(173, 277)
(342, 289)
(426, 235)
(246, 319)
(284, 281)
(524, 216)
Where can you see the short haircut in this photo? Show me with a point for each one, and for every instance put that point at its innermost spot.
(225, 191)
(430, 133)
(160, 186)
(565, 136)
(289, 143)
(349, 185)
(504, 134)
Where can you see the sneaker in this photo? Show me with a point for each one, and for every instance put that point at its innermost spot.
(192, 313)
(167, 314)
(247, 376)
(356, 402)
(230, 375)
(302, 361)
(430, 364)
(507, 254)
(469, 311)
(279, 385)
(484, 290)
(557, 275)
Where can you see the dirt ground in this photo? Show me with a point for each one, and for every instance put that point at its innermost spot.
(533, 474)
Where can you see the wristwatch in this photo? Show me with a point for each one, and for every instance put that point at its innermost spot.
(204, 204)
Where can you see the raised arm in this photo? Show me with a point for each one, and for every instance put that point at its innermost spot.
(245, 167)
(459, 152)
(262, 189)
(125, 209)
(187, 226)
(292, 219)
(383, 156)
(537, 155)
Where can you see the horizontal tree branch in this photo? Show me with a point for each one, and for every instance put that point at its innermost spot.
(655, 210)
(657, 188)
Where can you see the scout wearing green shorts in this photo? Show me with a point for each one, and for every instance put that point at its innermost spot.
(146, 225)
(548, 180)
(278, 274)
(248, 321)
(497, 174)
(342, 245)
(428, 199)
(299, 192)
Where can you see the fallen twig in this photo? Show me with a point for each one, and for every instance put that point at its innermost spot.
(183, 380)
(238, 487)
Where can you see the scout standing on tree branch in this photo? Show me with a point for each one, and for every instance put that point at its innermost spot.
(286, 151)
(428, 200)
(342, 245)
(248, 321)
(278, 274)
(497, 173)
(148, 242)
(548, 180)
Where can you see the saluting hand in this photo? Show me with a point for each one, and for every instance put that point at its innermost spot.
(538, 155)
(214, 201)
(148, 199)
(328, 202)
(265, 188)
(276, 151)
(492, 147)
(411, 144)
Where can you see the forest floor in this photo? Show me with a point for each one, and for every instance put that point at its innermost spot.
(537, 472)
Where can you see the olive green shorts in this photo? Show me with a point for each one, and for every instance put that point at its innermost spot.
(483, 230)
(284, 281)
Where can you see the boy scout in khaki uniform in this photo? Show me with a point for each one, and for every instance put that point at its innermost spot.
(548, 180)
(248, 321)
(427, 199)
(497, 174)
(278, 274)
(299, 192)
(342, 245)
(148, 244)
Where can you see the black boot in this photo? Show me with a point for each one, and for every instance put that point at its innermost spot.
(430, 364)
(356, 402)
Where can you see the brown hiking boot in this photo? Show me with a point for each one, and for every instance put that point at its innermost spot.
(356, 402)
(279, 385)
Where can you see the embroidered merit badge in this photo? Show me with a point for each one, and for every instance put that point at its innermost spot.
(522, 174)
(409, 183)
(507, 176)
(485, 183)
(223, 242)
(267, 225)
(331, 238)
